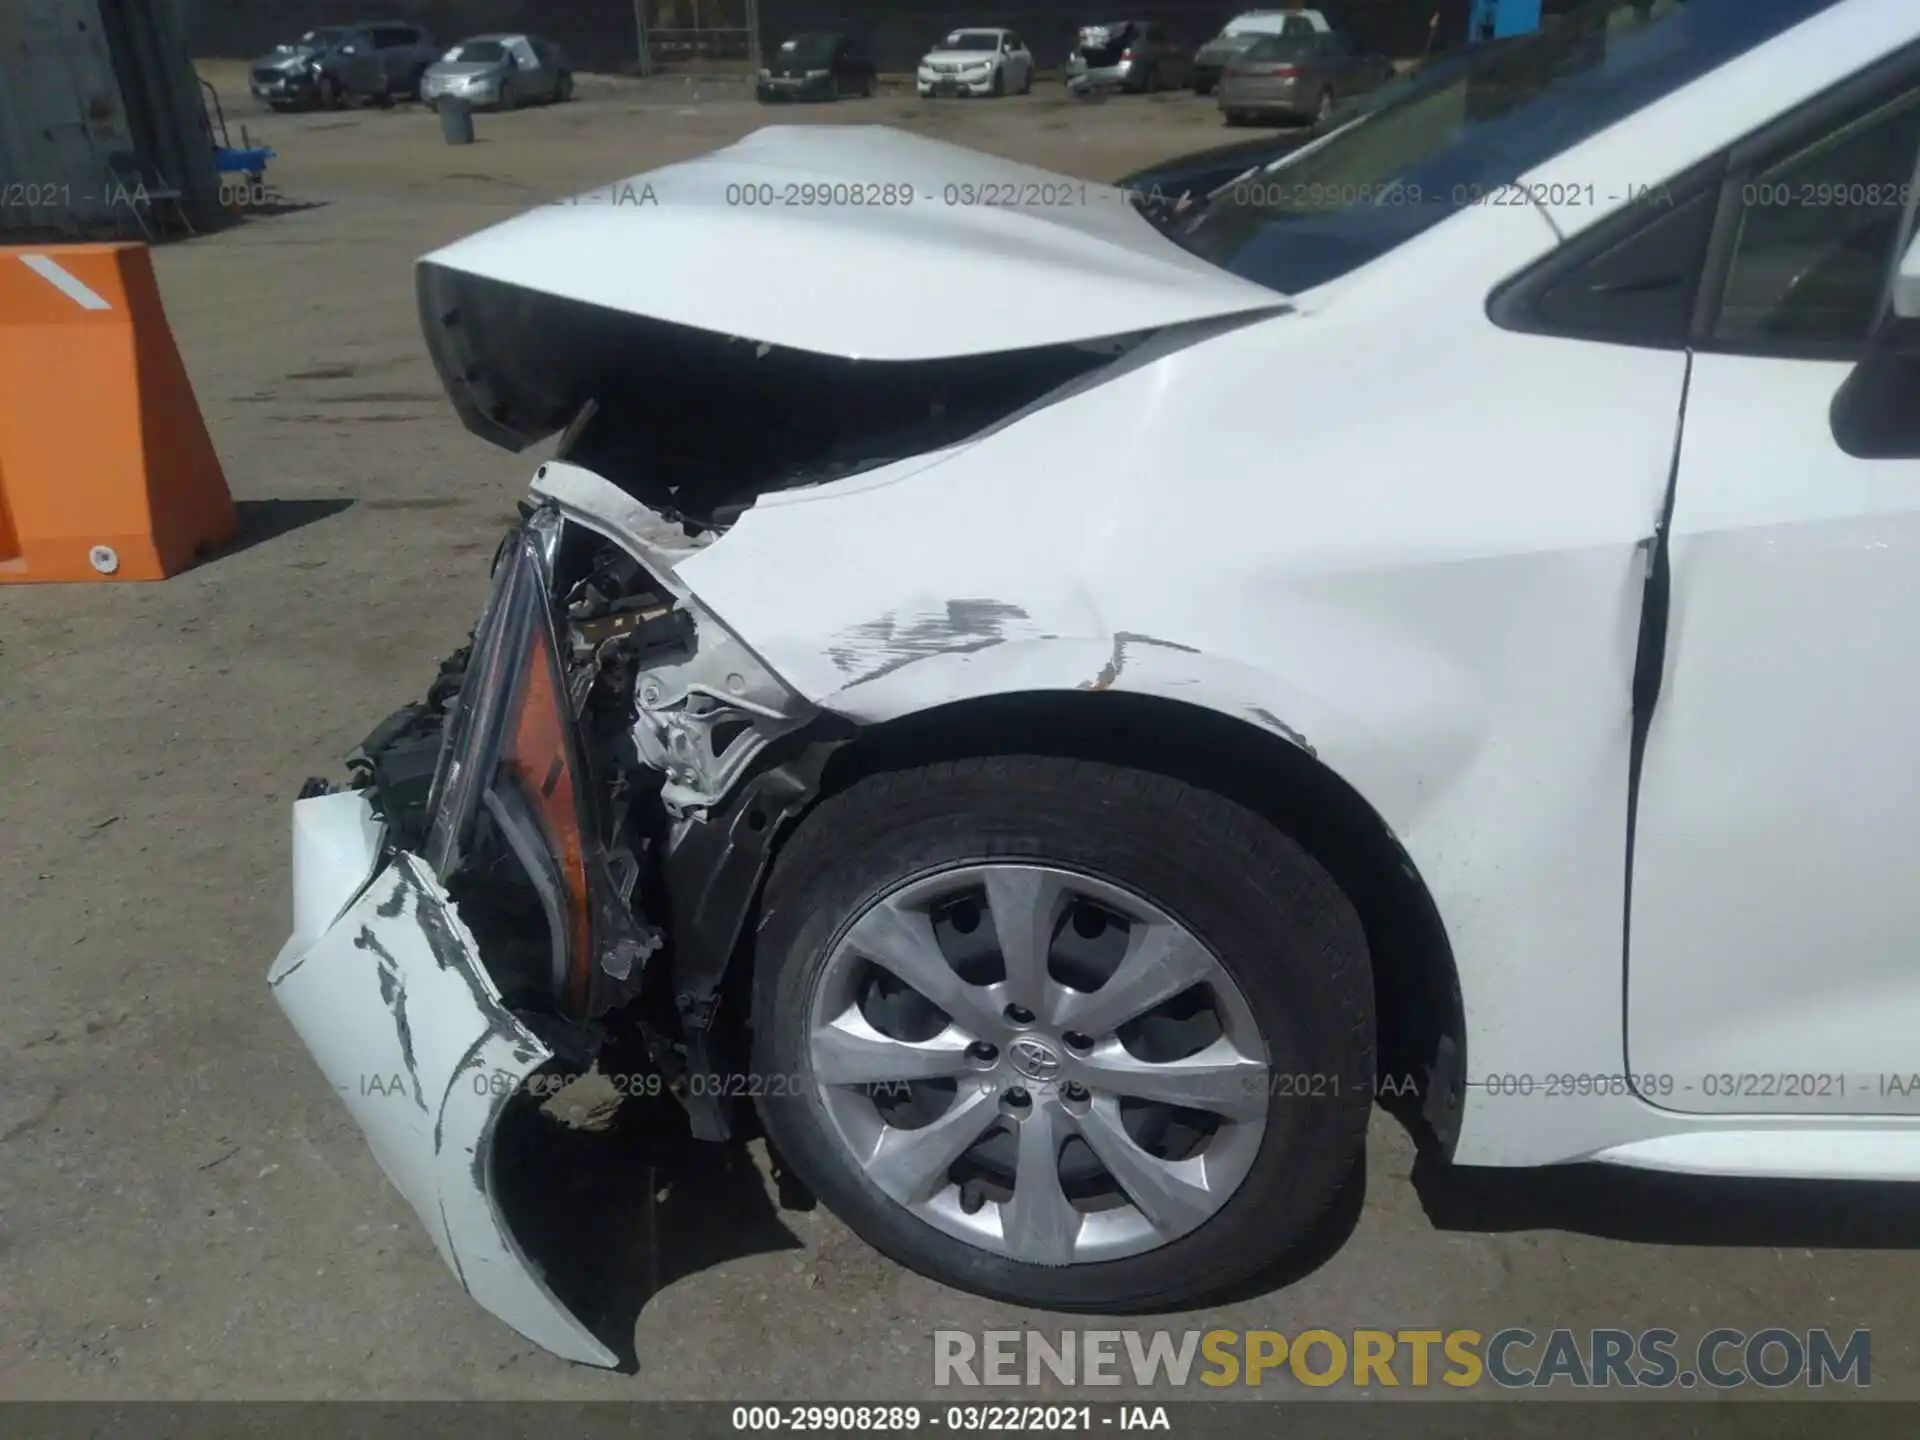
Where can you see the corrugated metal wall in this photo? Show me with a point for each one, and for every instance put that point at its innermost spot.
(60, 115)
(80, 80)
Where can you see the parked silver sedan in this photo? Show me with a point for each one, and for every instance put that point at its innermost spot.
(499, 72)
(1298, 77)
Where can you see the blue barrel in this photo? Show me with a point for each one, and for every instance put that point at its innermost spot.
(456, 121)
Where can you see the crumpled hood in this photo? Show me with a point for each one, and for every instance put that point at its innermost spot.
(792, 238)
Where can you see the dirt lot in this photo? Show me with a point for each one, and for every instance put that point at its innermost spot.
(185, 1210)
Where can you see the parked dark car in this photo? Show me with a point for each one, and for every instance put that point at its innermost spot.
(1298, 77)
(336, 65)
(1135, 55)
(817, 65)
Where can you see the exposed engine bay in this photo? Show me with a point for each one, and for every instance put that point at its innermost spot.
(626, 805)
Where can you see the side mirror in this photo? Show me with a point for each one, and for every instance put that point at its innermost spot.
(1876, 414)
(1906, 284)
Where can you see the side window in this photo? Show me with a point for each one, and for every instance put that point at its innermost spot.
(1816, 238)
(1634, 280)
(1013, 44)
(1298, 25)
(391, 37)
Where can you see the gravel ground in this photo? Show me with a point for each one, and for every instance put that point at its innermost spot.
(186, 1212)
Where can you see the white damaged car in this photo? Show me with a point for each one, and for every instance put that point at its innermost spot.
(1063, 813)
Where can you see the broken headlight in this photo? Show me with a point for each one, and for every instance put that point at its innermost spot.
(512, 759)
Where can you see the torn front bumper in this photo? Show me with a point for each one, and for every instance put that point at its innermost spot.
(386, 986)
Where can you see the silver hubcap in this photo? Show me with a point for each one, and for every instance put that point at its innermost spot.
(1039, 1063)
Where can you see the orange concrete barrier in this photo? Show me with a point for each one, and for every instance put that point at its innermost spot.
(106, 471)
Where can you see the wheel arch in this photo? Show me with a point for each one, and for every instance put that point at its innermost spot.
(1419, 1008)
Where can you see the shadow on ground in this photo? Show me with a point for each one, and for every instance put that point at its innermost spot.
(613, 1201)
(264, 520)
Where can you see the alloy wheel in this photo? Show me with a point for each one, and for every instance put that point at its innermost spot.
(1037, 1062)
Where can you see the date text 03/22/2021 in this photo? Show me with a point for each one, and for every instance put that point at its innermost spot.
(1823, 1088)
(985, 1419)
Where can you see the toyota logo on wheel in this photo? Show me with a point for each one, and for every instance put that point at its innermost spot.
(1034, 1059)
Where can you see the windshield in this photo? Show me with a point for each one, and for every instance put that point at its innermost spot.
(972, 40)
(477, 52)
(807, 48)
(324, 39)
(1419, 148)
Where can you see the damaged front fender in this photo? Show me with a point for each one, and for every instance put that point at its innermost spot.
(397, 1008)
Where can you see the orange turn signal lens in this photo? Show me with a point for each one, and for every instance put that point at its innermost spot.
(536, 753)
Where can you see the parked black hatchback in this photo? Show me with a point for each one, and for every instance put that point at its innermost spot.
(817, 65)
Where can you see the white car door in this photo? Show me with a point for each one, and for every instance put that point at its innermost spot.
(1775, 893)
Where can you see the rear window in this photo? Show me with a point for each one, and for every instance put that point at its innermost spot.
(1255, 25)
(1281, 47)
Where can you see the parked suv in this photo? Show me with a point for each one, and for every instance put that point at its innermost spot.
(342, 64)
(1125, 55)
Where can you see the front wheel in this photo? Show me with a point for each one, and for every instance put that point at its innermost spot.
(564, 91)
(999, 83)
(1062, 1034)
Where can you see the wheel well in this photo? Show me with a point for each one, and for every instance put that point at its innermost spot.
(1416, 985)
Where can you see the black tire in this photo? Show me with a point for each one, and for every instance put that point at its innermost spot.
(564, 91)
(999, 83)
(416, 80)
(1269, 912)
(331, 95)
(1235, 117)
(509, 99)
(1202, 86)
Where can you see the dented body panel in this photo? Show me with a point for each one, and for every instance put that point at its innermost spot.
(1076, 261)
(1449, 626)
(396, 1006)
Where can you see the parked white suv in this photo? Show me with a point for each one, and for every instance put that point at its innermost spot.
(1065, 856)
